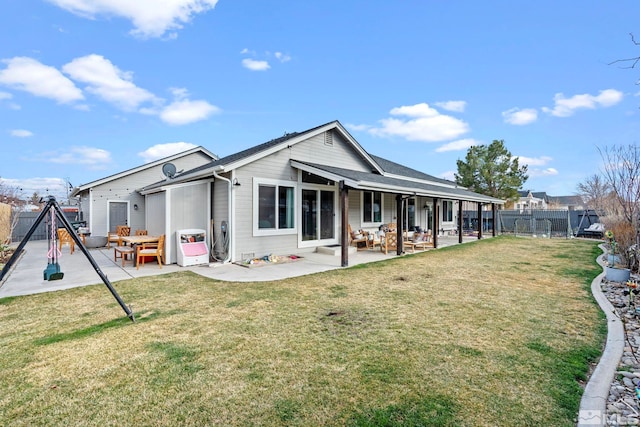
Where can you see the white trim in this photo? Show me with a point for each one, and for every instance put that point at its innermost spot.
(109, 216)
(257, 182)
(91, 184)
(336, 209)
(365, 224)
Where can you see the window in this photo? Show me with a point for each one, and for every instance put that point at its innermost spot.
(275, 207)
(447, 211)
(371, 206)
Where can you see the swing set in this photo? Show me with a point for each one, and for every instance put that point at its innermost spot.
(52, 271)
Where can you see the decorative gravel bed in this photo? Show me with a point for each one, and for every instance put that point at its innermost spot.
(623, 407)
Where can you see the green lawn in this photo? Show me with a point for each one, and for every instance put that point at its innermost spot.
(495, 332)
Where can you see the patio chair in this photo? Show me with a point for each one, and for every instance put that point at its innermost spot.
(65, 238)
(121, 230)
(389, 242)
(373, 240)
(141, 232)
(358, 240)
(150, 249)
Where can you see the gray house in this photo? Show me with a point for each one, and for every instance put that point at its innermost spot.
(115, 200)
(299, 192)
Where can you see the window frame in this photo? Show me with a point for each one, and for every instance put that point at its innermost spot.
(448, 211)
(277, 184)
(364, 222)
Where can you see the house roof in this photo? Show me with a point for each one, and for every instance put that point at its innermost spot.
(567, 200)
(241, 158)
(374, 182)
(385, 175)
(536, 194)
(145, 166)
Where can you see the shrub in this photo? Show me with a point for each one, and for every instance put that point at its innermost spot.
(624, 236)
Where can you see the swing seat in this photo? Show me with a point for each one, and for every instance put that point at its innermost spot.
(52, 272)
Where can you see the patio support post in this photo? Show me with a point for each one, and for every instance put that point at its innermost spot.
(495, 219)
(479, 220)
(460, 219)
(344, 212)
(399, 228)
(436, 221)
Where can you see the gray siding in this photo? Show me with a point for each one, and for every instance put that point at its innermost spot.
(219, 214)
(189, 207)
(340, 154)
(95, 211)
(277, 167)
(155, 213)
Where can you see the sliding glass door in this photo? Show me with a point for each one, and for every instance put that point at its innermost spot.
(318, 215)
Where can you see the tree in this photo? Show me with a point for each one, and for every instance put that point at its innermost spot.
(597, 195)
(11, 196)
(492, 171)
(632, 62)
(621, 172)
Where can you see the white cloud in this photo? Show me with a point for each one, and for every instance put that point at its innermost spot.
(455, 106)
(516, 116)
(43, 186)
(282, 57)
(150, 18)
(459, 145)
(424, 124)
(565, 107)
(255, 65)
(532, 161)
(96, 158)
(542, 172)
(38, 79)
(21, 133)
(450, 175)
(184, 111)
(108, 82)
(357, 128)
(5, 95)
(160, 151)
(537, 161)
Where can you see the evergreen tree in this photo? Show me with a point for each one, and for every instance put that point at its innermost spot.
(492, 171)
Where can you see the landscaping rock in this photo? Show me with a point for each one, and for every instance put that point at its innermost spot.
(623, 406)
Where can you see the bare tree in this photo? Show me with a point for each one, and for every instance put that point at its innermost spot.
(11, 196)
(622, 174)
(631, 62)
(597, 195)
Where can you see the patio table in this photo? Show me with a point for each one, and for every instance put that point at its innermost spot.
(134, 241)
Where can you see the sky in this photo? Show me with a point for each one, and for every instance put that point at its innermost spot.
(90, 88)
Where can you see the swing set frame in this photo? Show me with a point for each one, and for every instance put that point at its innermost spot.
(53, 204)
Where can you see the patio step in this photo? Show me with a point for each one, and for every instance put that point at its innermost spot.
(334, 250)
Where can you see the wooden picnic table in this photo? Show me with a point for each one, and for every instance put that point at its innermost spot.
(134, 241)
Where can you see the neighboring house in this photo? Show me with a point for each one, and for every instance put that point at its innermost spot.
(539, 200)
(298, 192)
(115, 200)
(531, 200)
(571, 203)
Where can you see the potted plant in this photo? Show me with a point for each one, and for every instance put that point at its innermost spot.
(617, 269)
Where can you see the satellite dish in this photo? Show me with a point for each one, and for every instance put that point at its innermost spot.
(169, 170)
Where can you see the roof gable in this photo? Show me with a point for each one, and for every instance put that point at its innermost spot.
(244, 157)
(143, 167)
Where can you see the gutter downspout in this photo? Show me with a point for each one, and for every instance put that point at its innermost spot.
(229, 230)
